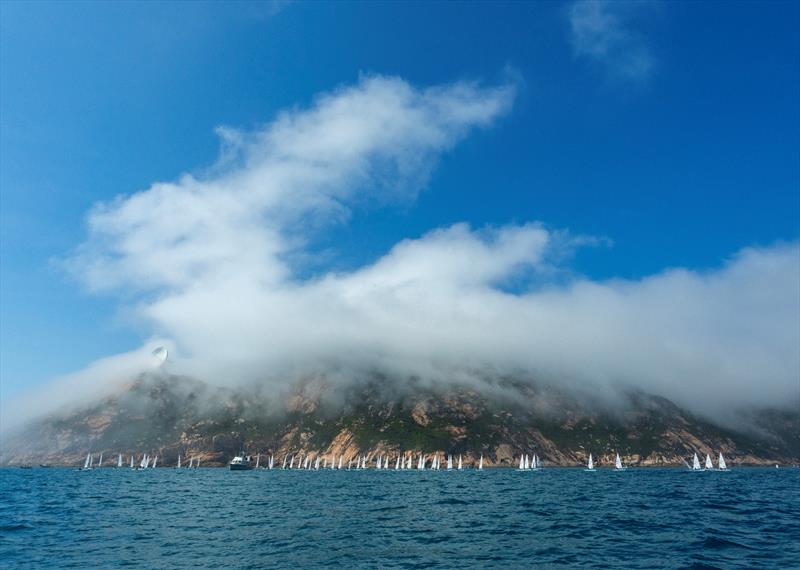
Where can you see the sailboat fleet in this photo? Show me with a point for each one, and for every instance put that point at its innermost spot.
(399, 462)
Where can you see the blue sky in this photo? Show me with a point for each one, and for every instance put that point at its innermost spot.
(680, 163)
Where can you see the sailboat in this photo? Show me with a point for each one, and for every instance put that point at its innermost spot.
(258, 460)
(618, 463)
(696, 463)
(316, 463)
(449, 462)
(527, 462)
(535, 463)
(722, 465)
(341, 457)
(100, 463)
(155, 461)
(590, 465)
(709, 465)
(480, 463)
(271, 461)
(459, 463)
(521, 462)
(132, 467)
(88, 463)
(397, 464)
(119, 460)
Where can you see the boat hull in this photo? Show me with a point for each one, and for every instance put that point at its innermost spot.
(239, 467)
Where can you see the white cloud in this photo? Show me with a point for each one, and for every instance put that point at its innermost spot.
(600, 31)
(211, 260)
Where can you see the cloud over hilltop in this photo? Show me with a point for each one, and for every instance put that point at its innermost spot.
(212, 262)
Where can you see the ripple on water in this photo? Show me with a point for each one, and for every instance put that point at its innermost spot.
(560, 517)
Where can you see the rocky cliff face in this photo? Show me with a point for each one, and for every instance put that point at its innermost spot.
(171, 416)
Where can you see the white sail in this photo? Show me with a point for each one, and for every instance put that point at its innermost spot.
(88, 461)
(341, 457)
(284, 463)
(271, 461)
(258, 460)
(155, 461)
(397, 464)
(316, 463)
(709, 465)
(527, 462)
(100, 462)
(364, 462)
(119, 460)
(91, 461)
(197, 463)
(449, 462)
(131, 461)
(591, 462)
(459, 463)
(722, 464)
(179, 461)
(480, 463)
(696, 463)
(617, 462)
(535, 461)
(291, 462)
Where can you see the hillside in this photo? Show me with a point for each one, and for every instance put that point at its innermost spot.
(172, 415)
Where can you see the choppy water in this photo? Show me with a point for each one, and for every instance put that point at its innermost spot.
(165, 518)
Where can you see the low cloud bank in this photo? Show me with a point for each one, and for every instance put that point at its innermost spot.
(215, 265)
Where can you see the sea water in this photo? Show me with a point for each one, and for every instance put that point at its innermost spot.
(496, 518)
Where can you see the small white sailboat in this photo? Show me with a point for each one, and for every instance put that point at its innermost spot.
(709, 465)
(271, 461)
(397, 464)
(618, 463)
(100, 462)
(87, 464)
(722, 465)
(590, 465)
(132, 467)
(191, 462)
(480, 463)
(316, 463)
(449, 462)
(179, 462)
(521, 462)
(527, 462)
(341, 457)
(258, 460)
(364, 462)
(460, 465)
(119, 460)
(696, 463)
(155, 461)
(291, 462)
(535, 464)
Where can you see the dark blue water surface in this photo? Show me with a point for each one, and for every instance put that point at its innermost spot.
(166, 518)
